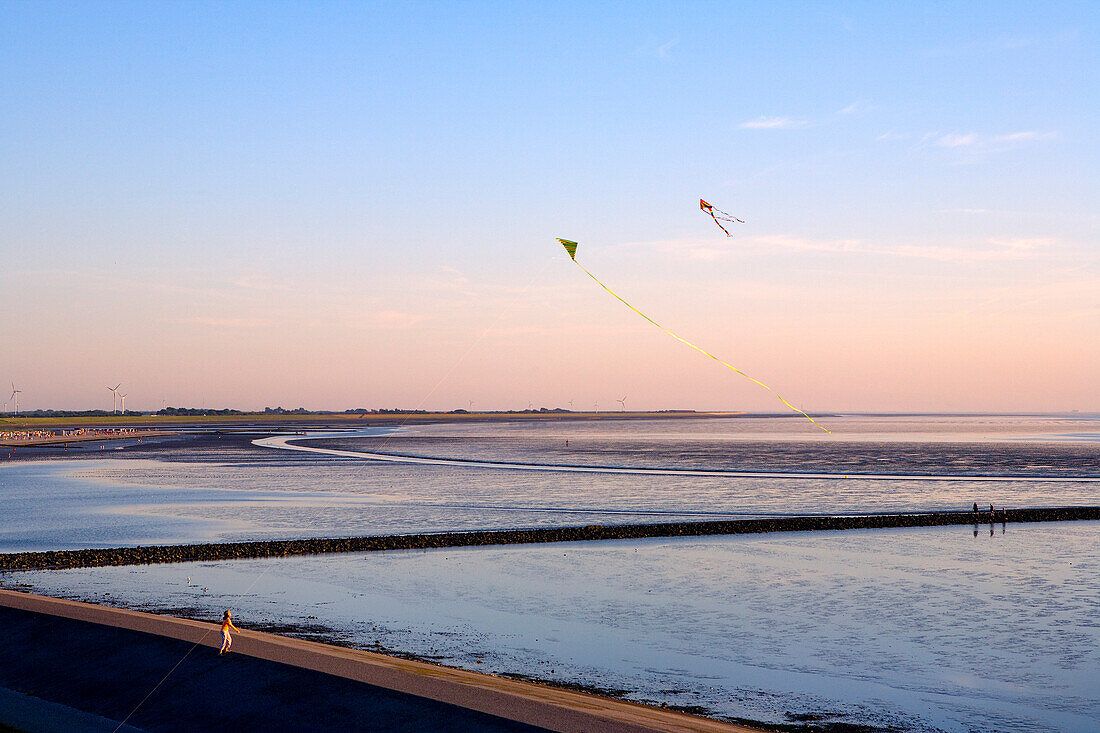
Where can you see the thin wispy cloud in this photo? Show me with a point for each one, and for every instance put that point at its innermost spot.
(446, 280)
(773, 123)
(1072, 295)
(389, 319)
(764, 122)
(530, 330)
(454, 275)
(1026, 135)
(856, 107)
(666, 48)
(999, 212)
(110, 280)
(242, 323)
(1002, 44)
(953, 140)
(1021, 244)
(986, 250)
(973, 141)
(260, 282)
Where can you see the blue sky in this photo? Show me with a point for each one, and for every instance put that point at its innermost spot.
(344, 205)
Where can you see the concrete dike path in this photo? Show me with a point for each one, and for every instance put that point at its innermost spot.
(69, 666)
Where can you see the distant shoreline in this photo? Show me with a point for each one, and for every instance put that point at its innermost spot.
(347, 420)
(320, 420)
(96, 435)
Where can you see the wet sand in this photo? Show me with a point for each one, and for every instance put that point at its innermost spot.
(83, 659)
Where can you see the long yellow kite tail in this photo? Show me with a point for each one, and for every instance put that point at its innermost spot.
(700, 350)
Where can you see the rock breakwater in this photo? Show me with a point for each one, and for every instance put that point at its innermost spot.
(58, 559)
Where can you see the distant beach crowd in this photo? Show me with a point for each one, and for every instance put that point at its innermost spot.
(31, 436)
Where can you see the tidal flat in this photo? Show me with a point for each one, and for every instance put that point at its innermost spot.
(940, 628)
(916, 629)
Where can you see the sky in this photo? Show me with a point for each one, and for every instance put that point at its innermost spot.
(341, 205)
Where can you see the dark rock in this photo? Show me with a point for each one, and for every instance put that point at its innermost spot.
(285, 548)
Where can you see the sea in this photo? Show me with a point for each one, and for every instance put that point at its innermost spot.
(983, 627)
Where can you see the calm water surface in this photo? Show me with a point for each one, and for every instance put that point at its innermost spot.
(958, 629)
(227, 489)
(925, 629)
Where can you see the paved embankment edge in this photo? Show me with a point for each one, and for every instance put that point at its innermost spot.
(548, 707)
(57, 559)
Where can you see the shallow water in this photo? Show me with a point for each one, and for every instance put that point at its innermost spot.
(931, 628)
(920, 446)
(955, 628)
(227, 489)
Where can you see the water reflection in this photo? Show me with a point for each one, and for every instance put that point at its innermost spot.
(242, 492)
(864, 624)
(991, 528)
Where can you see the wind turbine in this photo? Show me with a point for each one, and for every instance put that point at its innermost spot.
(15, 396)
(623, 403)
(123, 397)
(114, 395)
(597, 407)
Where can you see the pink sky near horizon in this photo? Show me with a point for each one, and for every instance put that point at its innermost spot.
(335, 206)
(910, 336)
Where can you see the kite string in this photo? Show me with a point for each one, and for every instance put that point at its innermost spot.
(700, 350)
(162, 679)
(187, 654)
(459, 360)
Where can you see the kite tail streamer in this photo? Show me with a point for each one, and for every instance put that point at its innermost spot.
(727, 231)
(728, 216)
(701, 351)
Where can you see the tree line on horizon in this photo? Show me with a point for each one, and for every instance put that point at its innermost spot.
(201, 411)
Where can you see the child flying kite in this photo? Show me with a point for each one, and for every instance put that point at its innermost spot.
(227, 624)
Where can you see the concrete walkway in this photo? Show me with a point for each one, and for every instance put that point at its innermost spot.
(107, 662)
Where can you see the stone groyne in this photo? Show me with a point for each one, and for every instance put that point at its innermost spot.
(58, 559)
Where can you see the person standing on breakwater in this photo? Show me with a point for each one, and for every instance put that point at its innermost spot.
(227, 640)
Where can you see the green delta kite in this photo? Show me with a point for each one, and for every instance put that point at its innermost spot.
(570, 247)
